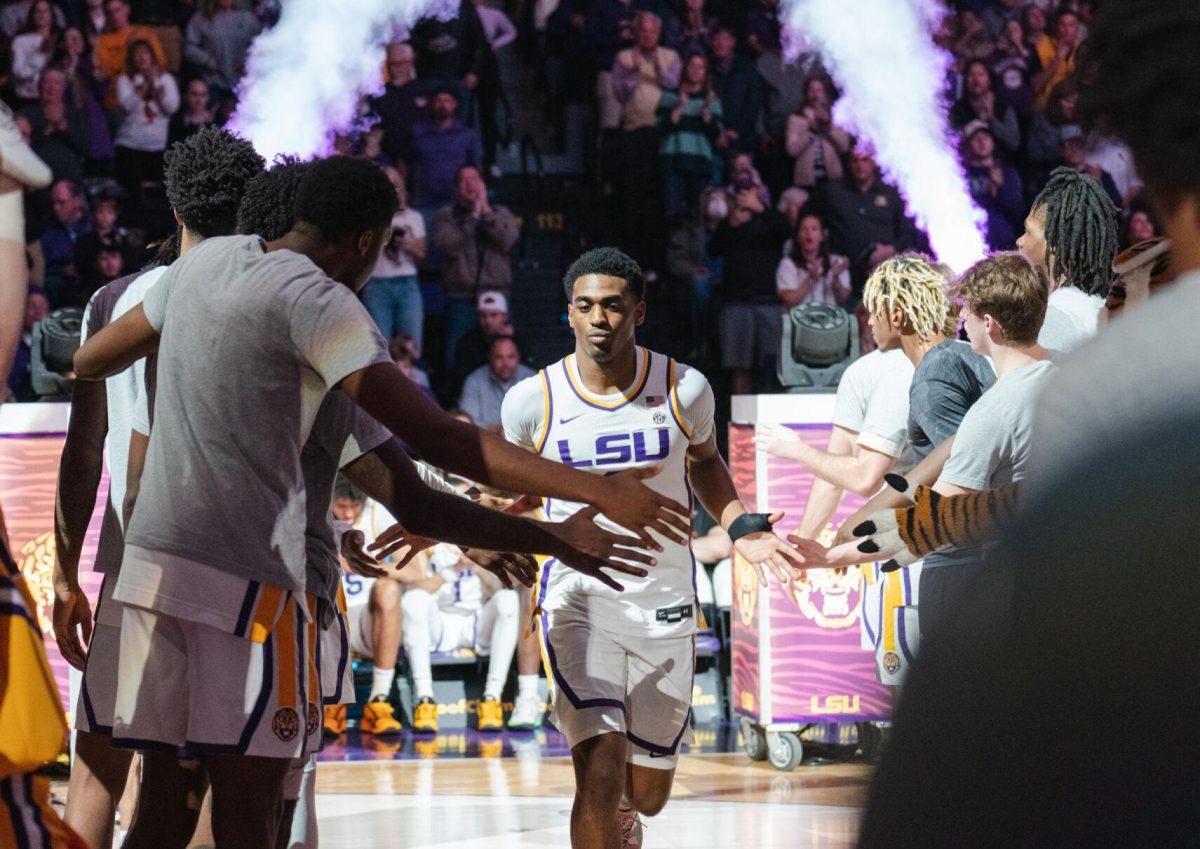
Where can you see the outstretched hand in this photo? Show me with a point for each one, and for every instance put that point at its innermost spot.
(357, 558)
(765, 551)
(589, 548)
(631, 504)
(396, 540)
(505, 566)
(775, 439)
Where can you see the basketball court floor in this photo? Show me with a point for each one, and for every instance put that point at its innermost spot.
(514, 790)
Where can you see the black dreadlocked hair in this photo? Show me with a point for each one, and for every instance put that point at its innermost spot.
(1142, 85)
(268, 205)
(205, 176)
(1081, 229)
(611, 263)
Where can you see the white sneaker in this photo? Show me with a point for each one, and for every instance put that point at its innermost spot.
(16, 158)
(527, 713)
(630, 825)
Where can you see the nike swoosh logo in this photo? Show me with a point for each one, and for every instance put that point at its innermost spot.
(562, 421)
(658, 755)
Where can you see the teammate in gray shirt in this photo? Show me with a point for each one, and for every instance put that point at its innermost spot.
(253, 336)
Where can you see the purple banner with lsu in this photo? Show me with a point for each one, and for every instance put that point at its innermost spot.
(797, 655)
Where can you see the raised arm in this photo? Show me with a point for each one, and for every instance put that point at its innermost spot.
(399, 405)
(389, 476)
(117, 346)
(713, 485)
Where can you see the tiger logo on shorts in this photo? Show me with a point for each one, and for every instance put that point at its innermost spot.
(310, 727)
(36, 560)
(891, 662)
(286, 724)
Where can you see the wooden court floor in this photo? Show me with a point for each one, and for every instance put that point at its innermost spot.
(720, 800)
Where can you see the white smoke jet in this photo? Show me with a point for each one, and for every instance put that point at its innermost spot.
(304, 77)
(882, 56)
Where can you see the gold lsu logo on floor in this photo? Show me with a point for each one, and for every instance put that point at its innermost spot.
(36, 561)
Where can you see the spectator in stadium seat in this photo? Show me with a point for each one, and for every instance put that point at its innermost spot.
(86, 93)
(762, 28)
(995, 186)
(1012, 66)
(970, 38)
(392, 296)
(441, 146)
(1142, 224)
(695, 28)
(980, 103)
(690, 121)
(106, 231)
(193, 115)
(1073, 148)
(404, 100)
(813, 140)
(454, 52)
(19, 382)
(783, 88)
(58, 244)
(1057, 55)
(739, 87)
(59, 128)
(476, 242)
(750, 240)
(1035, 25)
(15, 16)
(484, 389)
(1044, 135)
(997, 15)
(148, 97)
(113, 45)
(91, 19)
(218, 39)
(33, 49)
(865, 217)
(640, 75)
(492, 320)
(808, 273)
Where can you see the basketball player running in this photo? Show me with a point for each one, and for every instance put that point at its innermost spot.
(622, 665)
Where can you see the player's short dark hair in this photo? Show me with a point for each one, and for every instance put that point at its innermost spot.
(269, 205)
(341, 197)
(206, 175)
(611, 263)
(344, 488)
(1142, 85)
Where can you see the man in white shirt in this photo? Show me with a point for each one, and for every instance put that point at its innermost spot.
(1071, 234)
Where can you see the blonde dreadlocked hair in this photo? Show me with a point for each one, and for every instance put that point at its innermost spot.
(912, 283)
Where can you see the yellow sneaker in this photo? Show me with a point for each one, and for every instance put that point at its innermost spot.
(379, 717)
(335, 720)
(425, 717)
(490, 714)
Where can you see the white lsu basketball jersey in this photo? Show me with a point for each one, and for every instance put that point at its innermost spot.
(668, 408)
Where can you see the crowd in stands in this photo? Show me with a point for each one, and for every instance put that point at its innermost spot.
(719, 166)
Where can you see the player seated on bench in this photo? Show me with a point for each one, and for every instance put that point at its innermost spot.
(373, 618)
(450, 604)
